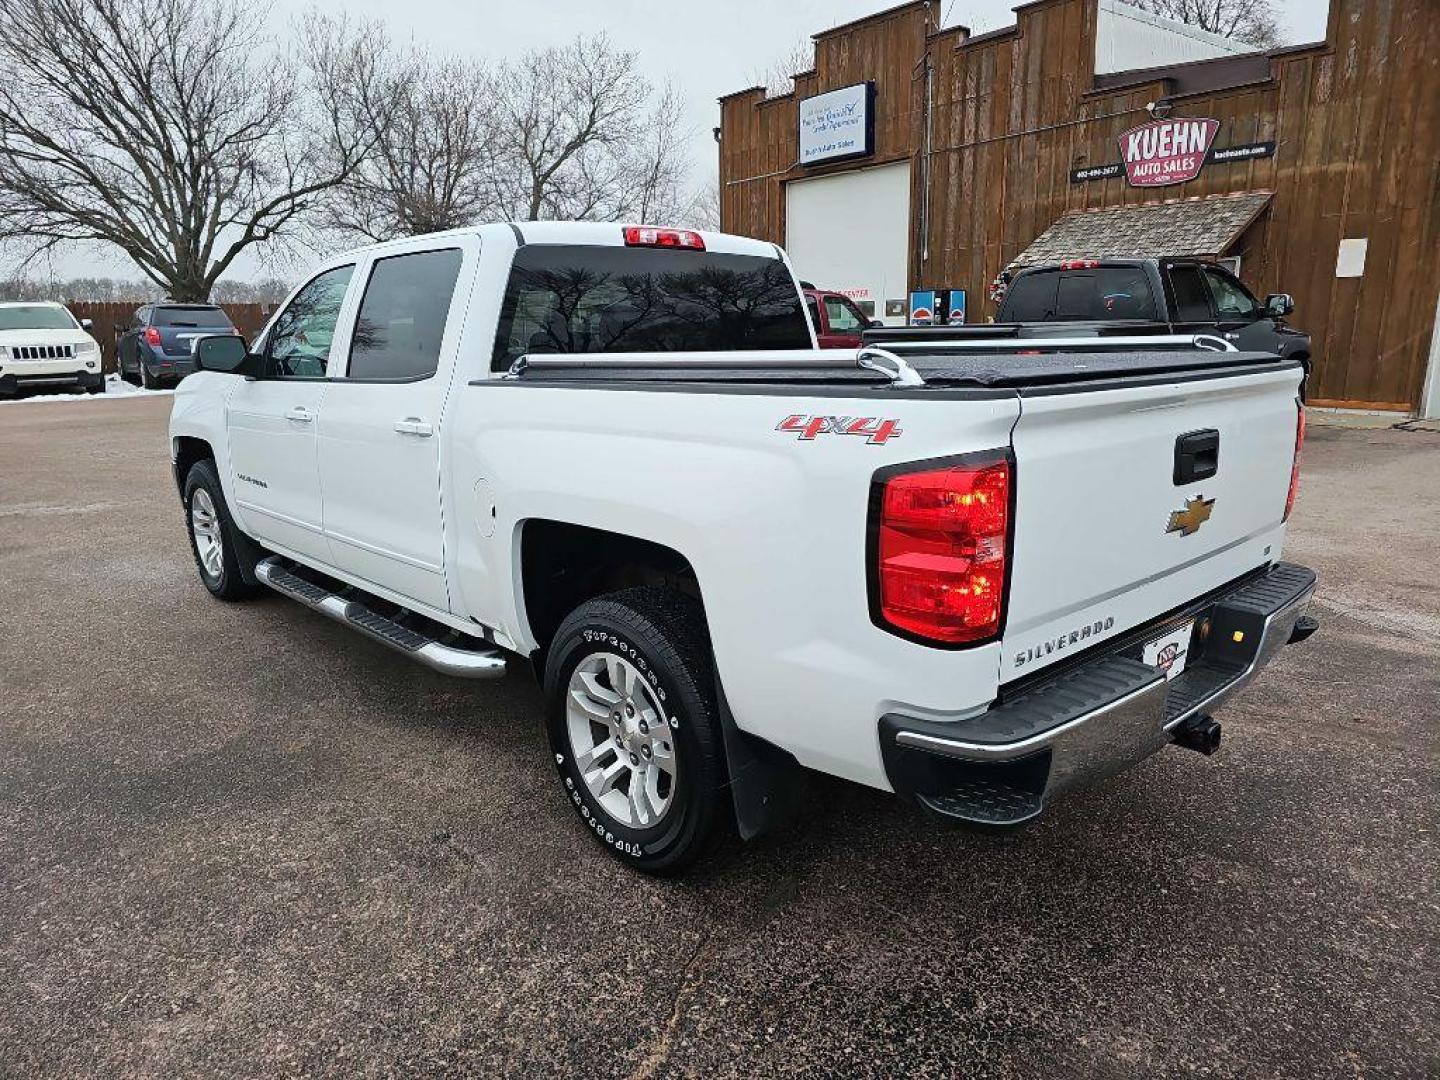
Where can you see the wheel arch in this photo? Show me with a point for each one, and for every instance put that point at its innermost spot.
(563, 564)
(186, 450)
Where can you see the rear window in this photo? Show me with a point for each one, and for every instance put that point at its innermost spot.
(1075, 297)
(574, 299)
(211, 317)
(1123, 292)
(35, 317)
(1031, 298)
(1098, 293)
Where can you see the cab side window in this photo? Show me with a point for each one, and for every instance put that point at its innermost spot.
(1192, 303)
(1232, 300)
(402, 317)
(843, 318)
(298, 344)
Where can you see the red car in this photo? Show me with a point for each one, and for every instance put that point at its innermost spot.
(837, 319)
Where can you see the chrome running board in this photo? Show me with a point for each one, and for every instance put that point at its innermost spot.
(447, 659)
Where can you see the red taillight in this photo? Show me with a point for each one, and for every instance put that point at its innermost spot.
(1295, 467)
(1079, 264)
(942, 543)
(152, 336)
(645, 236)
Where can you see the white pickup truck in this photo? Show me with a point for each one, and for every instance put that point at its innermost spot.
(973, 577)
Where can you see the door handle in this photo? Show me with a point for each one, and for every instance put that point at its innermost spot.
(413, 425)
(300, 415)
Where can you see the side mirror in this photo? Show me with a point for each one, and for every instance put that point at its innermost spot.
(226, 353)
(1278, 305)
(86, 324)
(876, 324)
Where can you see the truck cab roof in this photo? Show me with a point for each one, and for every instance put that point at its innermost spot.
(583, 233)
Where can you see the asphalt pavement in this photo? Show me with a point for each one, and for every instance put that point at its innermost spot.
(239, 840)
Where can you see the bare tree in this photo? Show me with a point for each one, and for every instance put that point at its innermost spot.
(101, 289)
(1255, 22)
(704, 210)
(171, 128)
(433, 145)
(268, 290)
(580, 134)
(779, 77)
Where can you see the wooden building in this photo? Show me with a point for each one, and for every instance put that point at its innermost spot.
(980, 144)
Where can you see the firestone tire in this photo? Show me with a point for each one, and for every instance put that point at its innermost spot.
(222, 574)
(661, 635)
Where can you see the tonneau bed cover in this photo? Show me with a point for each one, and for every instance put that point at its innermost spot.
(995, 370)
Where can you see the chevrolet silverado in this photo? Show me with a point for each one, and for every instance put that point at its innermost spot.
(977, 580)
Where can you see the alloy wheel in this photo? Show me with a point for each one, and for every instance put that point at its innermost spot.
(621, 740)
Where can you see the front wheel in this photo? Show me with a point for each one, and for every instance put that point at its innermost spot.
(634, 726)
(215, 542)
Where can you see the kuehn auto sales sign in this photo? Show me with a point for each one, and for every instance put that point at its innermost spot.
(1166, 151)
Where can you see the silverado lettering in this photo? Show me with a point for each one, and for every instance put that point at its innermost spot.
(1054, 645)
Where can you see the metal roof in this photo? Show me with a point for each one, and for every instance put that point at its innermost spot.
(1183, 227)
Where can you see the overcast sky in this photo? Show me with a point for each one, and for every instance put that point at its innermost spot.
(706, 49)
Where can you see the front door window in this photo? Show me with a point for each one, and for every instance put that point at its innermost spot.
(844, 319)
(299, 341)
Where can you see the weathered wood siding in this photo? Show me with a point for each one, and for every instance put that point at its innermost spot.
(1356, 121)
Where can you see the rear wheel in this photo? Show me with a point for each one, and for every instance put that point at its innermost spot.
(145, 380)
(634, 726)
(214, 541)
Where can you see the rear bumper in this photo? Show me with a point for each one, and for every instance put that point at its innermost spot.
(168, 367)
(1099, 716)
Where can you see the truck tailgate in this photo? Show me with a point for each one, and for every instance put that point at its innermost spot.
(1106, 537)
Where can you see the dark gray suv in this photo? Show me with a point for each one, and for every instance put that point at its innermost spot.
(155, 348)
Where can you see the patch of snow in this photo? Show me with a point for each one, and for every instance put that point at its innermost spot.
(114, 388)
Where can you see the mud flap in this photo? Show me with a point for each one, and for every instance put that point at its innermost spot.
(766, 783)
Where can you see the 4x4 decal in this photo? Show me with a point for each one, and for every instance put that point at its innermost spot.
(874, 430)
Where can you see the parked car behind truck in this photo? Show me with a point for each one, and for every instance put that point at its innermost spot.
(43, 346)
(616, 453)
(1083, 297)
(155, 349)
(837, 319)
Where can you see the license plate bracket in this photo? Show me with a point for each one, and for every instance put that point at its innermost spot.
(1171, 650)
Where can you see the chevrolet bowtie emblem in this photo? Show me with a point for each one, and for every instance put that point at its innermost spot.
(1195, 513)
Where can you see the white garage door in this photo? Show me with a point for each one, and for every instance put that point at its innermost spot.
(850, 232)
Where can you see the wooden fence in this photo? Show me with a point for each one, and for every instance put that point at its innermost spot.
(109, 320)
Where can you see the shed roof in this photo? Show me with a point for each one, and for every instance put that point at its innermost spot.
(1182, 227)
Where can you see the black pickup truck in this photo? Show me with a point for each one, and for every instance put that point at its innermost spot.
(1105, 297)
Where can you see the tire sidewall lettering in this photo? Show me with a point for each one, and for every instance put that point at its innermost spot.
(595, 639)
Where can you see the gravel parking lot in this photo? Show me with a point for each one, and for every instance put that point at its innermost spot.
(240, 840)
